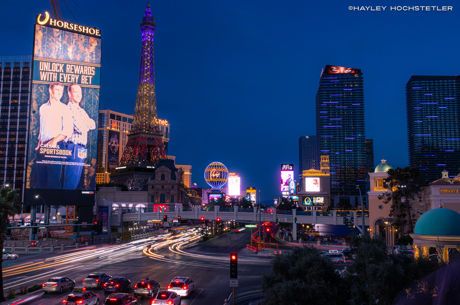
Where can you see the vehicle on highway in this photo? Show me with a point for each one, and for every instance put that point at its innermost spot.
(58, 284)
(121, 299)
(146, 288)
(96, 280)
(166, 298)
(182, 285)
(117, 284)
(7, 255)
(81, 298)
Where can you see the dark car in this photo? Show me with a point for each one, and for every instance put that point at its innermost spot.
(121, 299)
(117, 284)
(95, 280)
(146, 288)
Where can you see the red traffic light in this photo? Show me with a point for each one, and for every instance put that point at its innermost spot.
(233, 257)
(202, 218)
(218, 219)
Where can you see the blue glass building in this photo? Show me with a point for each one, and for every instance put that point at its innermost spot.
(308, 153)
(340, 130)
(433, 116)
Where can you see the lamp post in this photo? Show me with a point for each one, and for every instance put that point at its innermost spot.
(363, 227)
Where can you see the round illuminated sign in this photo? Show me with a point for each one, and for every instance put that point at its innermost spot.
(216, 175)
(307, 201)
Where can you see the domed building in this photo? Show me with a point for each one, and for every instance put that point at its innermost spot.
(378, 210)
(437, 232)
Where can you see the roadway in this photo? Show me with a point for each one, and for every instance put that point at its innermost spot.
(160, 258)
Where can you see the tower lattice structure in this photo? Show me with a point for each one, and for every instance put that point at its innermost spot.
(146, 141)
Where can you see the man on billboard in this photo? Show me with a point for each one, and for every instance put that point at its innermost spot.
(55, 128)
(82, 124)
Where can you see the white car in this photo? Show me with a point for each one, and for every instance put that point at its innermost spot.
(166, 298)
(58, 284)
(7, 256)
(81, 298)
(182, 285)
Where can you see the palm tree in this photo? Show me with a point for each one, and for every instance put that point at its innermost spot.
(9, 206)
(403, 185)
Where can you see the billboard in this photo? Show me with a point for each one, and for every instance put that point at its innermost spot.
(113, 149)
(215, 197)
(62, 143)
(234, 184)
(312, 184)
(287, 179)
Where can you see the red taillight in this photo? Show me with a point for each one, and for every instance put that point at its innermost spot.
(154, 302)
(113, 299)
(117, 286)
(54, 284)
(97, 280)
(135, 286)
(64, 301)
(169, 286)
(149, 287)
(170, 302)
(185, 287)
(80, 302)
(43, 285)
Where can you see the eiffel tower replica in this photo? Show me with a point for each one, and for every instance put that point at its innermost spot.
(148, 139)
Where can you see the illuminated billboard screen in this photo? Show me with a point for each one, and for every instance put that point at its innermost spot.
(287, 179)
(234, 185)
(215, 197)
(312, 184)
(64, 107)
(113, 149)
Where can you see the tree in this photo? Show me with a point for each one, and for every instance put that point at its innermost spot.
(378, 278)
(286, 204)
(9, 206)
(303, 277)
(404, 185)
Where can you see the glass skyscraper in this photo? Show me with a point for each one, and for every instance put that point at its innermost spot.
(15, 78)
(340, 129)
(433, 116)
(308, 153)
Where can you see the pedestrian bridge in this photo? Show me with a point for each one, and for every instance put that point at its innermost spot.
(252, 215)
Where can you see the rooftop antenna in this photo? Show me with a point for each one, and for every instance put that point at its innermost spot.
(56, 10)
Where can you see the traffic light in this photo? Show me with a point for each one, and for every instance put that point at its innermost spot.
(165, 218)
(233, 265)
(267, 229)
(218, 219)
(202, 219)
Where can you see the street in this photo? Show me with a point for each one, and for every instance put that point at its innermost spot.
(159, 258)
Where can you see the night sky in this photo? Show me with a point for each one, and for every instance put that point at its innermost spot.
(237, 79)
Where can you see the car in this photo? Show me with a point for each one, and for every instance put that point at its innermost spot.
(166, 298)
(81, 298)
(117, 284)
(7, 256)
(146, 288)
(58, 284)
(121, 299)
(96, 280)
(182, 285)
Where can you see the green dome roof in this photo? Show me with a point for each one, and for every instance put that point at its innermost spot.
(383, 167)
(438, 222)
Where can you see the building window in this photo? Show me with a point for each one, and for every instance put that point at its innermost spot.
(162, 198)
(172, 198)
(162, 177)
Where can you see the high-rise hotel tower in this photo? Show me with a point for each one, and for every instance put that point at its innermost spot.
(340, 130)
(433, 117)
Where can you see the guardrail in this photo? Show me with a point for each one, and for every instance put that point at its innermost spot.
(42, 249)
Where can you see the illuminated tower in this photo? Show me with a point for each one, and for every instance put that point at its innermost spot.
(147, 142)
(148, 138)
(340, 130)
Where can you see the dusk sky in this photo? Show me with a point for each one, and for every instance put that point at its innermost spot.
(237, 79)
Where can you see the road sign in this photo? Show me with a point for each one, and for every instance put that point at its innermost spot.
(233, 283)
